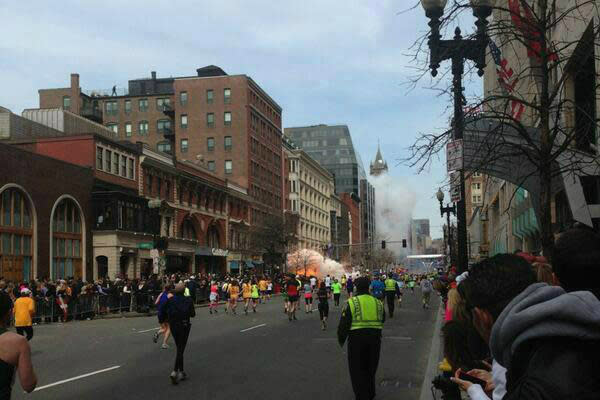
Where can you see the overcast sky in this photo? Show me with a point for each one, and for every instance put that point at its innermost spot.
(332, 62)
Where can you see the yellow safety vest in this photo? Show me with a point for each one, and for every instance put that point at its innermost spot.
(390, 285)
(367, 312)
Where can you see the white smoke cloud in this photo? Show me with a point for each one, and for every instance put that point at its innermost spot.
(310, 262)
(394, 206)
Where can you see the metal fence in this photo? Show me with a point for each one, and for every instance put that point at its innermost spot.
(89, 306)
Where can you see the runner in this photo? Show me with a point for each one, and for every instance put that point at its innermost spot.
(313, 282)
(284, 295)
(343, 281)
(246, 295)
(426, 289)
(350, 286)
(262, 286)
(308, 299)
(179, 311)
(377, 289)
(328, 283)
(323, 305)
(292, 291)
(161, 302)
(269, 289)
(213, 297)
(225, 291)
(255, 295)
(336, 287)
(411, 284)
(234, 291)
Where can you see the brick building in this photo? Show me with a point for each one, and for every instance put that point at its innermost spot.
(225, 122)
(45, 219)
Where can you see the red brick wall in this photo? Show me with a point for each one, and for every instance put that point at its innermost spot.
(354, 209)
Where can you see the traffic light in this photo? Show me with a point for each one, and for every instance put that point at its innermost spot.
(404, 243)
(383, 244)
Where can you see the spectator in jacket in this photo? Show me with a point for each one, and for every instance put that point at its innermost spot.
(542, 335)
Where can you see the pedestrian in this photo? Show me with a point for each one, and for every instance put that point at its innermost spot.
(24, 312)
(426, 289)
(15, 354)
(246, 295)
(336, 288)
(161, 302)
(255, 294)
(292, 289)
(234, 291)
(308, 299)
(114, 90)
(392, 291)
(179, 310)
(361, 323)
(350, 286)
(213, 297)
(323, 305)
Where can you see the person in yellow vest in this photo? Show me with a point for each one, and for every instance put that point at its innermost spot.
(391, 292)
(24, 311)
(361, 323)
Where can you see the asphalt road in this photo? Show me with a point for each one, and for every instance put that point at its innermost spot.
(261, 356)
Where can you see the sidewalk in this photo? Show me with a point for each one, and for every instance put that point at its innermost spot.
(435, 356)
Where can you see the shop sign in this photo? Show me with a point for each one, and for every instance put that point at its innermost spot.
(220, 252)
(146, 245)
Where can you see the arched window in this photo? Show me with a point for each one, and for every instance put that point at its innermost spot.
(16, 236)
(212, 237)
(66, 240)
(187, 230)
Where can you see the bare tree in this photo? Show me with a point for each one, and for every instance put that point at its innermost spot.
(272, 238)
(536, 122)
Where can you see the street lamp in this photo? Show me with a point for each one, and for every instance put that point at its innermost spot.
(446, 210)
(458, 50)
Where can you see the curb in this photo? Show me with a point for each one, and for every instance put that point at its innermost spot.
(434, 357)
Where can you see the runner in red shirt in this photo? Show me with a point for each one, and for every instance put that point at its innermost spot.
(292, 289)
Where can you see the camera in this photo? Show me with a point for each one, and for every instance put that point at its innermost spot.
(449, 389)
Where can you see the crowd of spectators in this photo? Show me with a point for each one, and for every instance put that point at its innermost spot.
(523, 327)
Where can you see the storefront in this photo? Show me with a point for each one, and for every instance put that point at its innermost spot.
(234, 263)
(211, 260)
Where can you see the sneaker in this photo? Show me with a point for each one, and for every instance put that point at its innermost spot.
(164, 346)
(322, 325)
(295, 319)
(173, 377)
(181, 376)
(155, 337)
(254, 310)
(210, 311)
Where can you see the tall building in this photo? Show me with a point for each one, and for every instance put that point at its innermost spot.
(332, 147)
(379, 165)
(226, 123)
(420, 236)
(367, 211)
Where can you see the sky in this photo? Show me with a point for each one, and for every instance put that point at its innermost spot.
(331, 62)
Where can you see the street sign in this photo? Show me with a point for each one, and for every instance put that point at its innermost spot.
(455, 187)
(145, 245)
(454, 155)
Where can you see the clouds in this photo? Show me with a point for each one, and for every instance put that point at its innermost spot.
(323, 61)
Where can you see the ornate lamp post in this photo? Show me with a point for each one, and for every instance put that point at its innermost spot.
(446, 210)
(458, 50)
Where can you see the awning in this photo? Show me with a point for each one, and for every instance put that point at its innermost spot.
(234, 265)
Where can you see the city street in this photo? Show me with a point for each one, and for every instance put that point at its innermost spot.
(260, 356)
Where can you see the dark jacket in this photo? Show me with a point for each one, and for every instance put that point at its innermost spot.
(180, 309)
(345, 324)
(549, 341)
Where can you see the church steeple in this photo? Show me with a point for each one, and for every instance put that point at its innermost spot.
(378, 166)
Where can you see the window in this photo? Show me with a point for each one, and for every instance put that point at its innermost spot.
(210, 95)
(227, 118)
(107, 161)
(66, 102)
(143, 103)
(99, 151)
(476, 186)
(184, 145)
(127, 106)
(163, 103)
(184, 121)
(211, 165)
(66, 240)
(124, 166)
(143, 128)
(227, 96)
(476, 174)
(111, 107)
(16, 235)
(113, 127)
(183, 98)
(210, 144)
(115, 167)
(165, 147)
(130, 162)
(228, 166)
(210, 120)
(227, 143)
(128, 129)
(163, 126)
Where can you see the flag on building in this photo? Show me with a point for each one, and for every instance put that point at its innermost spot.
(507, 79)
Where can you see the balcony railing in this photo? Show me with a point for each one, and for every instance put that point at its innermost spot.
(167, 109)
(166, 131)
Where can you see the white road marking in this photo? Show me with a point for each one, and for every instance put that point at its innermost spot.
(254, 327)
(77, 377)
(148, 330)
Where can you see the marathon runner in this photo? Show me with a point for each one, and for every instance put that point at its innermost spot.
(308, 299)
(292, 288)
(214, 297)
(255, 295)
(336, 287)
(246, 295)
(328, 283)
(262, 286)
(234, 291)
(323, 297)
